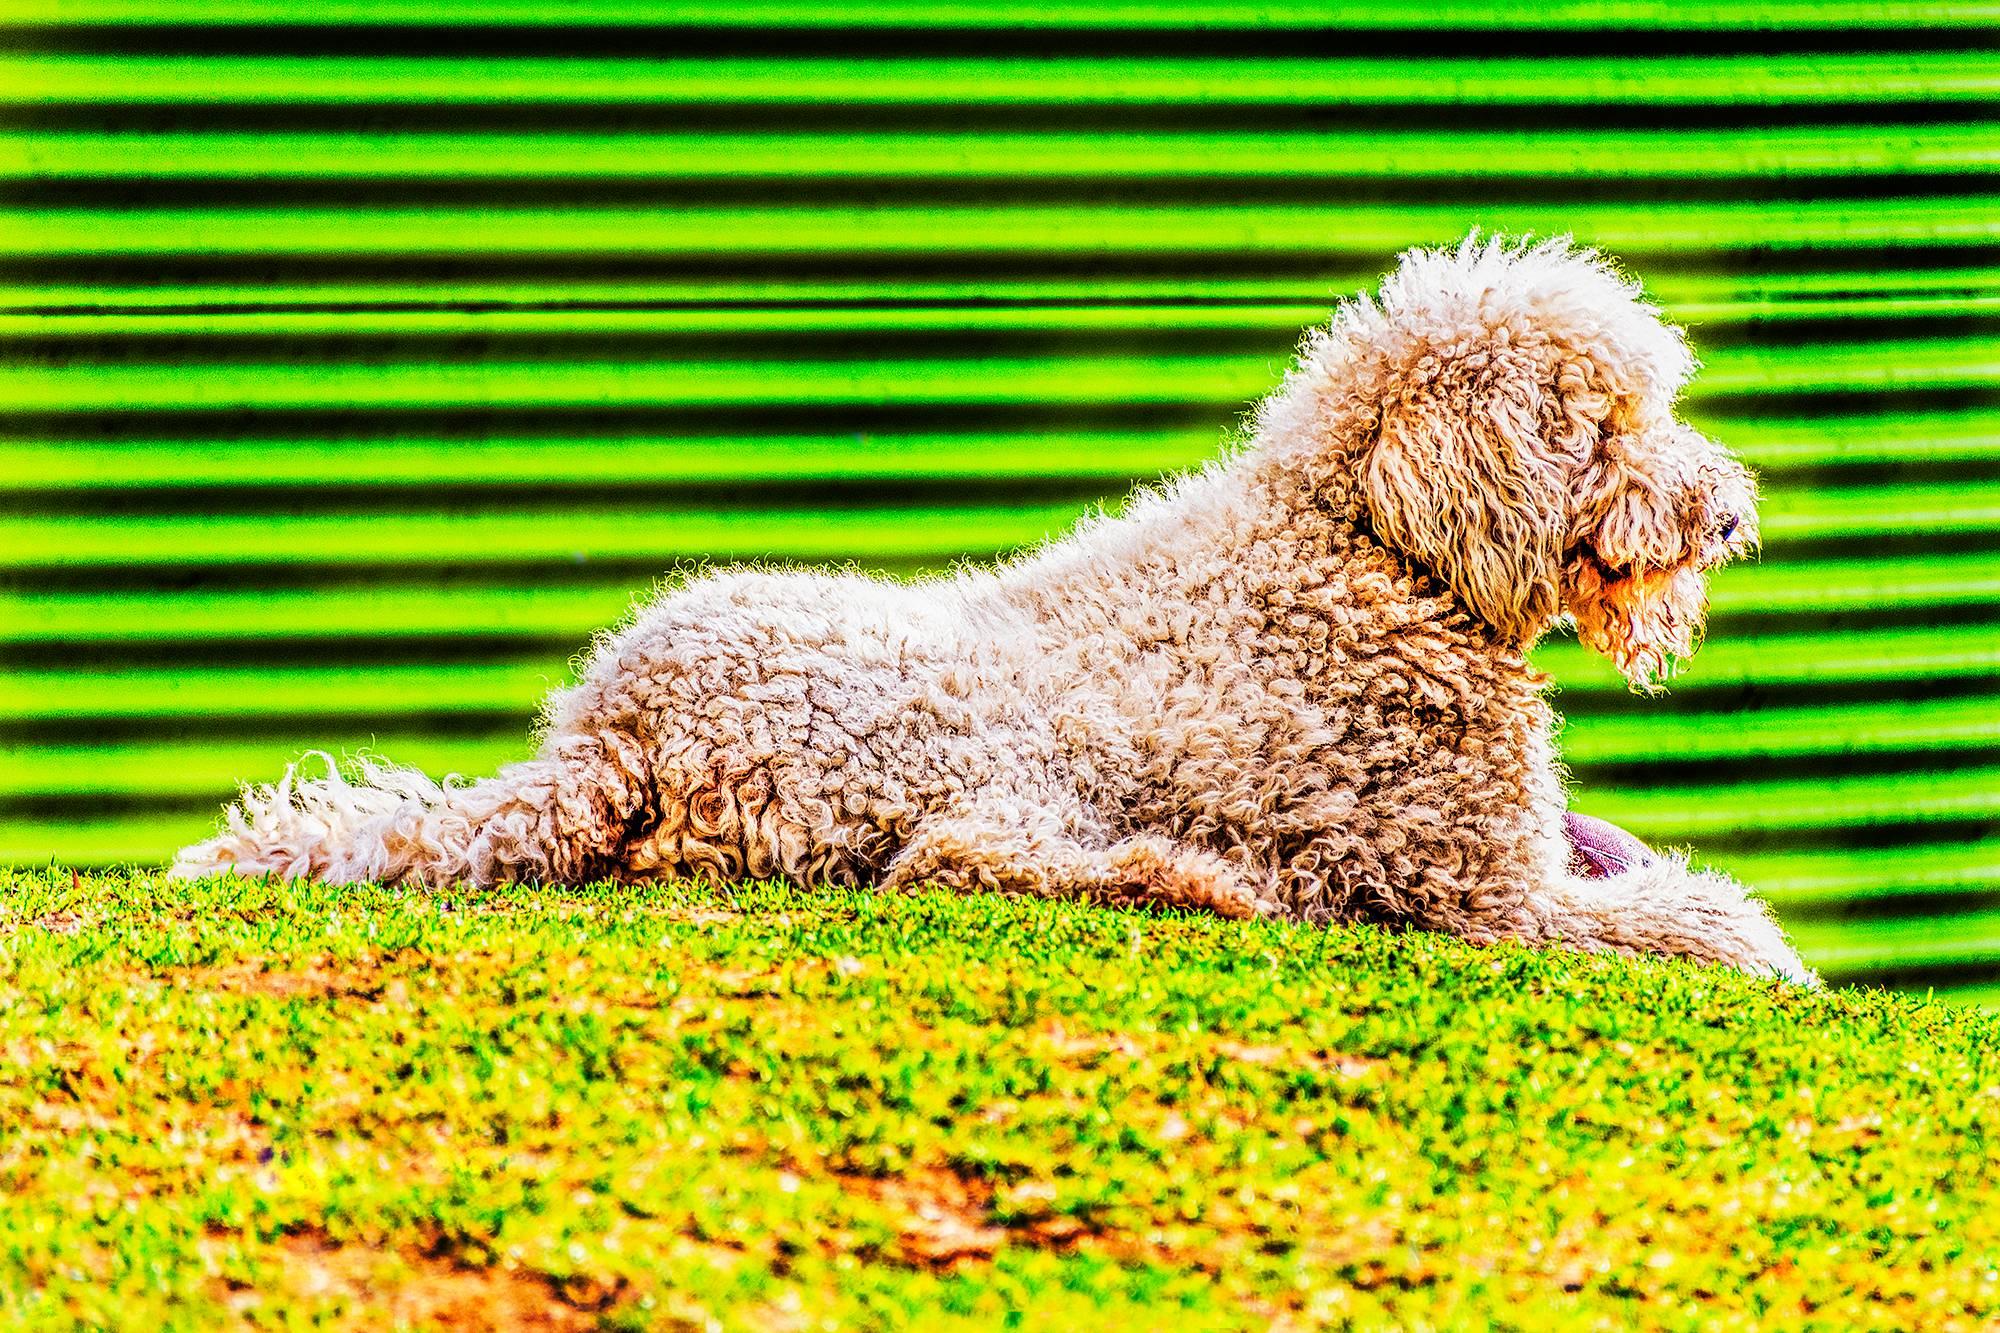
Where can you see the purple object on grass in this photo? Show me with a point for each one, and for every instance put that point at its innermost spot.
(1598, 848)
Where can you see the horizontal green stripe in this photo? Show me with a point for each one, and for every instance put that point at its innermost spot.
(1757, 293)
(90, 465)
(1822, 586)
(1940, 508)
(1764, 153)
(1830, 878)
(1954, 652)
(1223, 381)
(730, 301)
(221, 693)
(1281, 320)
(1812, 288)
(1959, 293)
(1850, 367)
(110, 312)
(1896, 799)
(1777, 444)
(966, 230)
(424, 384)
(600, 532)
(184, 769)
(1853, 949)
(67, 465)
(1940, 15)
(148, 840)
(1644, 735)
(561, 611)
(1970, 997)
(667, 533)
(573, 610)
(1671, 814)
(1754, 80)
(404, 689)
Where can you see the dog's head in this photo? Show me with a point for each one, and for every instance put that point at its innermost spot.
(1510, 424)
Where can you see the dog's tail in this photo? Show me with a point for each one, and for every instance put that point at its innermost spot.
(553, 819)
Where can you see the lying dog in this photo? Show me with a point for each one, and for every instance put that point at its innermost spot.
(1294, 682)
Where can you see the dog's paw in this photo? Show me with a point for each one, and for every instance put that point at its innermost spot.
(1156, 871)
(203, 860)
(241, 854)
(1717, 918)
(230, 854)
(1764, 951)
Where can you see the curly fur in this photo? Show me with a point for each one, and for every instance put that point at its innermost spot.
(1294, 682)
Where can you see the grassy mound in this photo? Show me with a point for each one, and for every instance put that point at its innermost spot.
(771, 1110)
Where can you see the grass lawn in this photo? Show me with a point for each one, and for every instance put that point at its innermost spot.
(761, 1109)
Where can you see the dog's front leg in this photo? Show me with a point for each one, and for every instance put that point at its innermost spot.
(1016, 849)
(1664, 907)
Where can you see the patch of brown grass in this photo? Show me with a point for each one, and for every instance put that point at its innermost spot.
(1331, 1062)
(945, 1220)
(322, 978)
(373, 1288)
(1088, 1046)
(1091, 1047)
(62, 922)
(943, 1217)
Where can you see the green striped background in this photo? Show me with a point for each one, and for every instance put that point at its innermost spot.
(361, 358)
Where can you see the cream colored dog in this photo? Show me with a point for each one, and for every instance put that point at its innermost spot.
(1291, 683)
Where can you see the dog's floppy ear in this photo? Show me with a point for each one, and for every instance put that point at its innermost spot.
(1453, 477)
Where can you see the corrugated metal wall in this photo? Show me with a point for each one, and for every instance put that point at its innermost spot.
(361, 358)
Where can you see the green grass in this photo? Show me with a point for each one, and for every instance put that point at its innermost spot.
(662, 1107)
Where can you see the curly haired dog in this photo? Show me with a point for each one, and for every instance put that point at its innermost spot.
(1294, 682)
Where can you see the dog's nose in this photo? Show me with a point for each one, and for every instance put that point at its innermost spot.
(1729, 523)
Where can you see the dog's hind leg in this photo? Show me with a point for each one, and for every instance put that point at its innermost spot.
(1664, 907)
(1017, 850)
(559, 818)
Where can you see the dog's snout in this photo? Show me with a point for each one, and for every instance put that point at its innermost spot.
(1729, 524)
